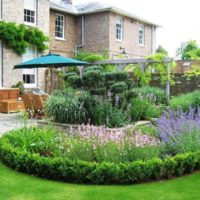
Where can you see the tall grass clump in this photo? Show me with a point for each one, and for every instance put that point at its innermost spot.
(184, 101)
(66, 107)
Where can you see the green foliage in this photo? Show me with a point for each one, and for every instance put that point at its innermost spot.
(90, 57)
(143, 109)
(184, 142)
(64, 169)
(93, 78)
(75, 81)
(19, 85)
(67, 75)
(66, 107)
(185, 101)
(118, 87)
(19, 37)
(116, 76)
(161, 50)
(104, 113)
(189, 51)
(153, 94)
(98, 91)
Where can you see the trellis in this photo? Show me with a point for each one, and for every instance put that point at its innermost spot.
(122, 63)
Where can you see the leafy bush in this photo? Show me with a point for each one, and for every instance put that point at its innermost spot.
(180, 131)
(99, 91)
(154, 94)
(93, 78)
(78, 171)
(75, 81)
(118, 87)
(66, 108)
(185, 101)
(116, 76)
(67, 75)
(143, 109)
(104, 113)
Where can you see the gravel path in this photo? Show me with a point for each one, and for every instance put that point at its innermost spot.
(12, 121)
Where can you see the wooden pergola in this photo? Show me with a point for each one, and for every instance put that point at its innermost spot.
(122, 63)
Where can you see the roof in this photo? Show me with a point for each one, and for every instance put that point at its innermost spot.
(67, 8)
(94, 7)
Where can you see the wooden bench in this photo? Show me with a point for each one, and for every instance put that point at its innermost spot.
(9, 101)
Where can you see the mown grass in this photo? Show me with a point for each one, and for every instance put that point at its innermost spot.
(18, 186)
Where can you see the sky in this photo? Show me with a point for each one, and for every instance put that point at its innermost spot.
(180, 19)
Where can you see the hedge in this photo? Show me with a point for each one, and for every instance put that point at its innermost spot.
(97, 173)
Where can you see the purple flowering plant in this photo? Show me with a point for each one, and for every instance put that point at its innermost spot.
(179, 131)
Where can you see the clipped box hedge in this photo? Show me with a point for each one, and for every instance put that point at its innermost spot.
(97, 173)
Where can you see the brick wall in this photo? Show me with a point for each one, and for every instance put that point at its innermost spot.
(130, 38)
(100, 35)
(64, 47)
(96, 32)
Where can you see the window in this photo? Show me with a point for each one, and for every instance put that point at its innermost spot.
(59, 26)
(1, 2)
(29, 75)
(30, 11)
(141, 35)
(119, 29)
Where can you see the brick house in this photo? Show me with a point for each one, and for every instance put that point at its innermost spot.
(98, 27)
(94, 27)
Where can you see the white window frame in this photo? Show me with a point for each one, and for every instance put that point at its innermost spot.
(35, 14)
(141, 35)
(60, 26)
(119, 29)
(32, 71)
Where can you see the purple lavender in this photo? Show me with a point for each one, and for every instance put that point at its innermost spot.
(173, 123)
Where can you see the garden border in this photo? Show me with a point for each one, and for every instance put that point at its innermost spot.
(79, 171)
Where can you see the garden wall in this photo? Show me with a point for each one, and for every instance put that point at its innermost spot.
(182, 84)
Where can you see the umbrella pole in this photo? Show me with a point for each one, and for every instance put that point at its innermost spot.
(51, 75)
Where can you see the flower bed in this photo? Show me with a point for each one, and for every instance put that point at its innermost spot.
(97, 173)
(45, 153)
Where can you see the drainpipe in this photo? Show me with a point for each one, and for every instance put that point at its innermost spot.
(153, 29)
(82, 35)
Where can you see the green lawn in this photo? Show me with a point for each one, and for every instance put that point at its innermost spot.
(17, 186)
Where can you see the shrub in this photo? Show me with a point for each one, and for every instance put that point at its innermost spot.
(67, 75)
(185, 101)
(143, 109)
(154, 94)
(78, 171)
(99, 91)
(104, 113)
(119, 87)
(75, 81)
(93, 78)
(116, 76)
(66, 108)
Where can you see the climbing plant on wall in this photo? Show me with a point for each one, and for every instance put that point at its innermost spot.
(19, 37)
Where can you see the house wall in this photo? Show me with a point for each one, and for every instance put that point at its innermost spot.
(64, 47)
(13, 13)
(96, 32)
(100, 36)
(130, 38)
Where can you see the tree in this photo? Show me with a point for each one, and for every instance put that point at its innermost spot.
(189, 51)
(161, 50)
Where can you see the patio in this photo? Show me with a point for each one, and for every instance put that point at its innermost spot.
(12, 121)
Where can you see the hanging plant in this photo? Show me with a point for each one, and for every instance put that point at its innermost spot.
(19, 37)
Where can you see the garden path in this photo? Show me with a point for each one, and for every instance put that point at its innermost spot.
(12, 121)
